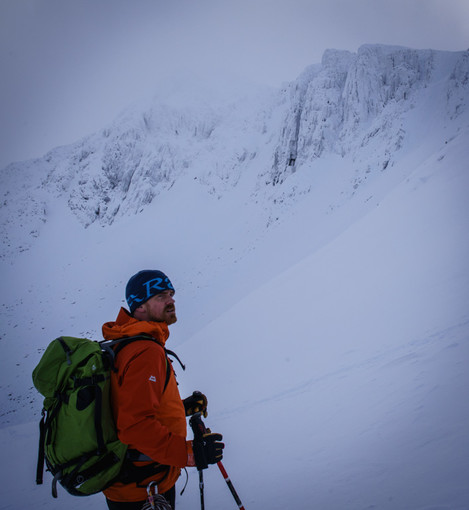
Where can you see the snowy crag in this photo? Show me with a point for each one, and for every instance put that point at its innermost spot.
(317, 238)
(352, 105)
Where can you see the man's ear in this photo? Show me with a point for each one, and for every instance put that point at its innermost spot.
(139, 311)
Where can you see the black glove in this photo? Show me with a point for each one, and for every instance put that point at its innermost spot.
(196, 403)
(207, 449)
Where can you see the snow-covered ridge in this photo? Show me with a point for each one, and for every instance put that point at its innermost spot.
(351, 99)
(348, 103)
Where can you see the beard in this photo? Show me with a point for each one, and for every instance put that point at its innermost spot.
(170, 316)
(154, 313)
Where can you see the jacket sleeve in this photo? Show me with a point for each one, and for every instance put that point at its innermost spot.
(142, 418)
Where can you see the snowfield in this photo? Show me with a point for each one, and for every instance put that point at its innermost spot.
(317, 237)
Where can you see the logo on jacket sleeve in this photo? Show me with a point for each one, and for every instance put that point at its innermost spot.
(152, 378)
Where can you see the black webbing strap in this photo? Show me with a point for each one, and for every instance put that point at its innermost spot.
(41, 454)
(115, 346)
(172, 353)
(56, 478)
(77, 476)
(136, 474)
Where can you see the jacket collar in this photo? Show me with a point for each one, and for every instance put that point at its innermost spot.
(125, 326)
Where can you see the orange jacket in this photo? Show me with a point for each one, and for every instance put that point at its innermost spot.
(147, 418)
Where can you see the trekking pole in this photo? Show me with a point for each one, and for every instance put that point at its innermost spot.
(201, 488)
(199, 429)
(230, 485)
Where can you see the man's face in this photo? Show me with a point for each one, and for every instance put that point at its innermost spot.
(159, 308)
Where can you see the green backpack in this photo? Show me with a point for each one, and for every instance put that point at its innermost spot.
(78, 439)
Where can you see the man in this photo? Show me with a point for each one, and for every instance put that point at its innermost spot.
(149, 413)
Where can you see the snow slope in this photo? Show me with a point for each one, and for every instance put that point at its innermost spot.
(326, 317)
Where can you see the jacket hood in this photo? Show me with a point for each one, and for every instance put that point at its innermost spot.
(125, 326)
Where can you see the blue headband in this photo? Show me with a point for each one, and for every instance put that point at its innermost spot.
(145, 284)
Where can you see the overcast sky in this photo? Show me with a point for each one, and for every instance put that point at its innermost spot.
(70, 66)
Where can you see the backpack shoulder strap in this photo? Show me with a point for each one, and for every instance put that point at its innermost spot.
(172, 353)
(113, 347)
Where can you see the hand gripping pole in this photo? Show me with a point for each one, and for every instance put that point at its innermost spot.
(199, 430)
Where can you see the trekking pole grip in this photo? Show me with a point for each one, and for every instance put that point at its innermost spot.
(197, 426)
(199, 429)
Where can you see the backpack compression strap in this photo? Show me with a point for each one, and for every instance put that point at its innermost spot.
(41, 454)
